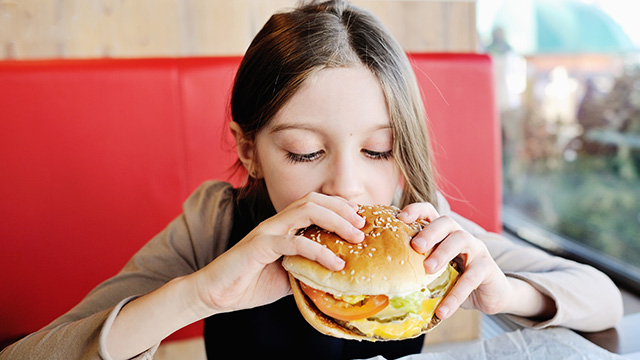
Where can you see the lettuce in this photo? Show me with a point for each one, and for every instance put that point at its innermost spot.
(413, 302)
(409, 303)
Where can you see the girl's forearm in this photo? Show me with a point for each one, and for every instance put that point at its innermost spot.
(146, 321)
(527, 301)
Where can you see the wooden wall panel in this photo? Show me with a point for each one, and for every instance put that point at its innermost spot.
(32, 29)
(428, 25)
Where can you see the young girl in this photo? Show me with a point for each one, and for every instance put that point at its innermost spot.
(326, 114)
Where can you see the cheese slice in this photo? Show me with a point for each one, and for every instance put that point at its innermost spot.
(408, 327)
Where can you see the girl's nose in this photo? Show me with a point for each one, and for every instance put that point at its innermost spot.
(343, 179)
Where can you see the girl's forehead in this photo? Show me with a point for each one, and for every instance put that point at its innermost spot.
(338, 96)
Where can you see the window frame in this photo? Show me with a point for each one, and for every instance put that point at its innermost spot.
(519, 226)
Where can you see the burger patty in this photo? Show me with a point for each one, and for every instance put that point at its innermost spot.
(435, 320)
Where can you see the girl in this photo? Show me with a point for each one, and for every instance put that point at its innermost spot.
(326, 114)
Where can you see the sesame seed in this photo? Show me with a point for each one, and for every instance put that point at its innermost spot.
(353, 272)
(389, 257)
(373, 249)
(370, 255)
(401, 262)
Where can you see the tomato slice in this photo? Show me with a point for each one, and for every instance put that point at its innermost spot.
(342, 310)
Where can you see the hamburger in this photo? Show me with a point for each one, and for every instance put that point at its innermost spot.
(383, 292)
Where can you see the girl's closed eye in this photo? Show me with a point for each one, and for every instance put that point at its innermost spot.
(294, 157)
(378, 155)
(308, 157)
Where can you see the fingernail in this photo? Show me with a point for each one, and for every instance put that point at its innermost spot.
(402, 215)
(420, 244)
(431, 264)
(339, 263)
(444, 311)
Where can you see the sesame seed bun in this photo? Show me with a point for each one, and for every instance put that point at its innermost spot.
(384, 263)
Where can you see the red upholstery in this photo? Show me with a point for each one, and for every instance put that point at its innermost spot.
(459, 99)
(97, 156)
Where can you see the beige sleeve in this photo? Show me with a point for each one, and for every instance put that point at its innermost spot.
(585, 298)
(187, 244)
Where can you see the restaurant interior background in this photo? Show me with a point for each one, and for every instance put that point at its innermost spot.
(567, 79)
(568, 84)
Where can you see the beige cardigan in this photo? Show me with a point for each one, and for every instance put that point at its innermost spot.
(585, 298)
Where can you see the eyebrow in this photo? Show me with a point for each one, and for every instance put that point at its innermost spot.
(283, 127)
(293, 126)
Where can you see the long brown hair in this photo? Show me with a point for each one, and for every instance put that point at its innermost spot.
(294, 45)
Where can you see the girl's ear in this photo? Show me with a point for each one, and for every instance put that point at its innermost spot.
(245, 148)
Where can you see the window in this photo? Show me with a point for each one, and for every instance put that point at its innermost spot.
(568, 89)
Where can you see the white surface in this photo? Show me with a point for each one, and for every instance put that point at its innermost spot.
(550, 344)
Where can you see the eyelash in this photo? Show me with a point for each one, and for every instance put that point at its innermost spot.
(377, 155)
(298, 158)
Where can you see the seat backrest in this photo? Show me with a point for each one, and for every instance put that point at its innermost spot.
(458, 93)
(97, 156)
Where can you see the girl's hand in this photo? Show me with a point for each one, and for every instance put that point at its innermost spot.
(482, 285)
(249, 274)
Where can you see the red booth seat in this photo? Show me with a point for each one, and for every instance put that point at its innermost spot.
(97, 157)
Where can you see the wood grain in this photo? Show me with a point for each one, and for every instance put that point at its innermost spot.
(33, 29)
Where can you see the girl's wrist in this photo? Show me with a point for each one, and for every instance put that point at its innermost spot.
(149, 319)
(185, 290)
(195, 296)
(527, 301)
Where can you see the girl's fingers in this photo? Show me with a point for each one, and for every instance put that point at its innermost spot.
(437, 230)
(260, 250)
(330, 213)
(458, 243)
(300, 245)
(466, 284)
(422, 211)
(415, 211)
(481, 272)
(347, 209)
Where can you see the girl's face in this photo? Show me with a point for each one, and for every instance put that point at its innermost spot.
(332, 137)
